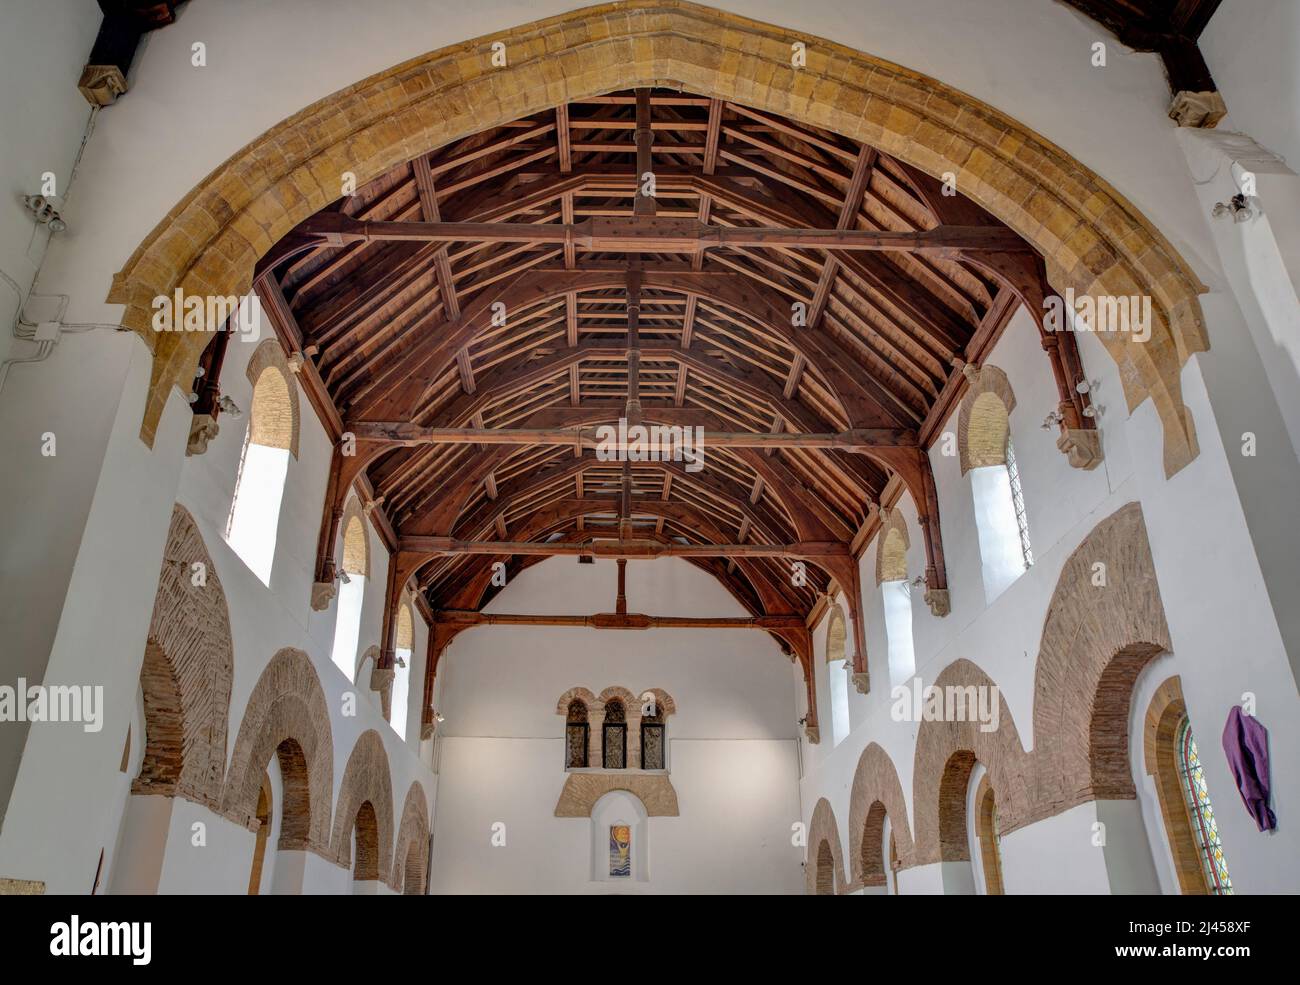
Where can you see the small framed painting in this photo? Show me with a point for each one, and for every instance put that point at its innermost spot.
(620, 851)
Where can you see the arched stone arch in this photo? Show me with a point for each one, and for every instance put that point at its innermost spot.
(411, 855)
(983, 419)
(663, 701)
(1092, 239)
(582, 790)
(581, 693)
(892, 543)
(620, 693)
(823, 831)
(354, 540)
(404, 638)
(187, 672)
(286, 716)
(1105, 622)
(273, 417)
(946, 752)
(876, 795)
(837, 633)
(366, 780)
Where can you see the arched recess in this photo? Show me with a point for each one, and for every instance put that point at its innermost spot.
(892, 543)
(411, 854)
(580, 693)
(946, 753)
(876, 795)
(982, 420)
(355, 541)
(1104, 624)
(1091, 238)
(366, 780)
(286, 717)
(988, 833)
(824, 840)
(274, 415)
(187, 672)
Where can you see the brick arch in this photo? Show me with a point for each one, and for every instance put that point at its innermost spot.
(1092, 239)
(630, 700)
(982, 420)
(187, 672)
(581, 693)
(946, 752)
(663, 701)
(823, 831)
(892, 543)
(286, 716)
(274, 416)
(1164, 716)
(366, 780)
(411, 854)
(875, 795)
(1096, 639)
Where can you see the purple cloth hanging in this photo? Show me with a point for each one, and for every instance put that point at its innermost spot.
(1245, 742)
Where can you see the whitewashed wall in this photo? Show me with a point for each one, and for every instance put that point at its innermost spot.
(732, 748)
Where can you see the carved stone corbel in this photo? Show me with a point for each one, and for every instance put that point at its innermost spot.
(203, 428)
(1082, 447)
(862, 681)
(322, 593)
(938, 601)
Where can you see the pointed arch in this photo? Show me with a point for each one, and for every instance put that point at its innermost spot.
(286, 716)
(892, 544)
(411, 854)
(876, 795)
(366, 781)
(354, 540)
(824, 868)
(837, 633)
(187, 673)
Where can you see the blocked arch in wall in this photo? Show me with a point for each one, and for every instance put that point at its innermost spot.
(1091, 238)
(876, 794)
(286, 716)
(892, 543)
(187, 673)
(411, 852)
(824, 869)
(366, 780)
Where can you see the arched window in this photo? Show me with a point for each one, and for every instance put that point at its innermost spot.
(988, 455)
(1204, 828)
(837, 673)
(653, 743)
(263, 466)
(896, 595)
(404, 644)
(575, 735)
(352, 590)
(613, 743)
(365, 844)
(825, 869)
(986, 829)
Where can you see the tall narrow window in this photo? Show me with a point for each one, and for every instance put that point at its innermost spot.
(1204, 828)
(837, 673)
(404, 645)
(614, 736)
(897, 597)
(575, 735)
(352, 590)
(1018, 503)
(986, 827)
(652, 739)
(263, 466)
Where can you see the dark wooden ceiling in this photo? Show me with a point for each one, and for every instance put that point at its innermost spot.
(719, 344)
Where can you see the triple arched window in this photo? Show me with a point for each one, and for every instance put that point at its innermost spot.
(615, 730)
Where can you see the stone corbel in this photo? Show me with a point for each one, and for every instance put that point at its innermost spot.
(322, 593)
(1203, 110)
(813, 734)
(381, 680)
(1082, 447)
(938, 601)
(203, 428)
(862, 681)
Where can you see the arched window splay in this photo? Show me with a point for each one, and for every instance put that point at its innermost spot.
(837, 673)
(1000, 519)
(614, 736)
(986, 829)
(352, 590)
(1204, 828)
(404, 644)
(895, 594)
(263, 466)
(575, 735)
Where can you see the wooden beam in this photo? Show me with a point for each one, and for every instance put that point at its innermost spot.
(615, 620)
(622, 549)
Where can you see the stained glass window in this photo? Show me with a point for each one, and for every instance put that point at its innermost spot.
(1206, 832)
